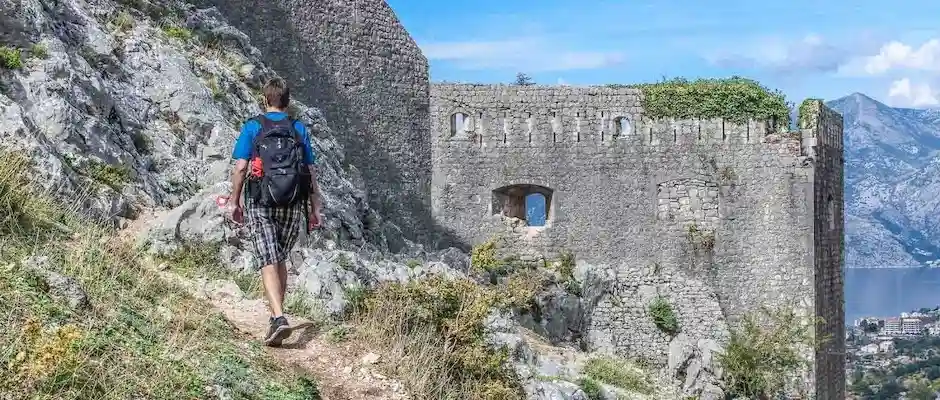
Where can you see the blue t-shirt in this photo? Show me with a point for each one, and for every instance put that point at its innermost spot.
(250, 129)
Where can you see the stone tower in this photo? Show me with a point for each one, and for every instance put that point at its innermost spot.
(738, 215)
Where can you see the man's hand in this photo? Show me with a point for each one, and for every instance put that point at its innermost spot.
(237, 212)
(314, 216)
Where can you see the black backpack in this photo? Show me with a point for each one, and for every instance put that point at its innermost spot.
(277, 175)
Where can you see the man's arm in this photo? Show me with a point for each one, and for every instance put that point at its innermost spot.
(238, 181)
(310, 158)
(242, 153)
(314, 188)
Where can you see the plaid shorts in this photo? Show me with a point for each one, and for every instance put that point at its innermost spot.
(273, 231)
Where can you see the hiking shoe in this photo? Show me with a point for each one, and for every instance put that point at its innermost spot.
(277, 332)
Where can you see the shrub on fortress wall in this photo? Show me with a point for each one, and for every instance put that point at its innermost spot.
(735, 99)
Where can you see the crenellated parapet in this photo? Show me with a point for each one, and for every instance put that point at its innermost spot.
(492, 117)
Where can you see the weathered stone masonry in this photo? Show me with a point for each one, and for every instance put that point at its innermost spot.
(355, 61)
(716, 217)
(679, 205)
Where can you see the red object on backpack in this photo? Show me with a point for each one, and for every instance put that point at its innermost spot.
(256, 169)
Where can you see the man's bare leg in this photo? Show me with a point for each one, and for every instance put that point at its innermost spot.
(274, 286)
(282, 276)
(270, 278)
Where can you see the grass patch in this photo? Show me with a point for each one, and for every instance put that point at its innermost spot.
(177, 32)
(24, 211)
(565, 267)
(123, 22)
(435, 328)
(39, 50)
(141, 337)
(215, 88)
(10, 58)
(618, 373)
(339, 334)
(762, 354)
(195, 259)
(663, 315)
(113, 176)
(302, 304)
(736, 99)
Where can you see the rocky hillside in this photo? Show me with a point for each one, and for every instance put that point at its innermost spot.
(892, 179)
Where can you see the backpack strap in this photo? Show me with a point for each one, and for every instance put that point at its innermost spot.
(262, 121)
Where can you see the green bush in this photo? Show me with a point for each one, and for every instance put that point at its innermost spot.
(483, 257)
(10, 58)
(808, 112)
(736, 99)
(664, 316)
(763, 353)
(591, 388)
(123, 22)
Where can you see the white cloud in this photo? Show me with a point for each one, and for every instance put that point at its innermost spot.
(528, 55)
(897, 55)
(810, 53)
(905, 94)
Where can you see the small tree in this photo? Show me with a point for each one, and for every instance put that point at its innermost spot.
(523, 79)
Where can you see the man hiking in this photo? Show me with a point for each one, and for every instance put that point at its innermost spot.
(275, 153)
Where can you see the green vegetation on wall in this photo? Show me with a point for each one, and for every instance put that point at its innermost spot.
(736, 99)
(809, 109)
(664, 316)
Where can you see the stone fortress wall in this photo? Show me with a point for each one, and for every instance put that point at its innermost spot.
(621, 189)
(357, 63)
(717, 217)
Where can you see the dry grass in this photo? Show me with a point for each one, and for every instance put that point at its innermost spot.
(140, 338)
(434, 330)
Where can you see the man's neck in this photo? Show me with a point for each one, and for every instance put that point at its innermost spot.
(275, 110)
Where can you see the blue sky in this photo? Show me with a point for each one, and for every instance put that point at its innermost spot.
(887, 50)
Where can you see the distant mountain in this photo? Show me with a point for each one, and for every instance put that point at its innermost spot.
(892, 183)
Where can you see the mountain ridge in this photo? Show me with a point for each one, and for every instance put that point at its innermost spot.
(892, 166)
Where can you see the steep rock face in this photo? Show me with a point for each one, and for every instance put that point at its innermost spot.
(355, 61)
(129, 115)
(892, 177)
